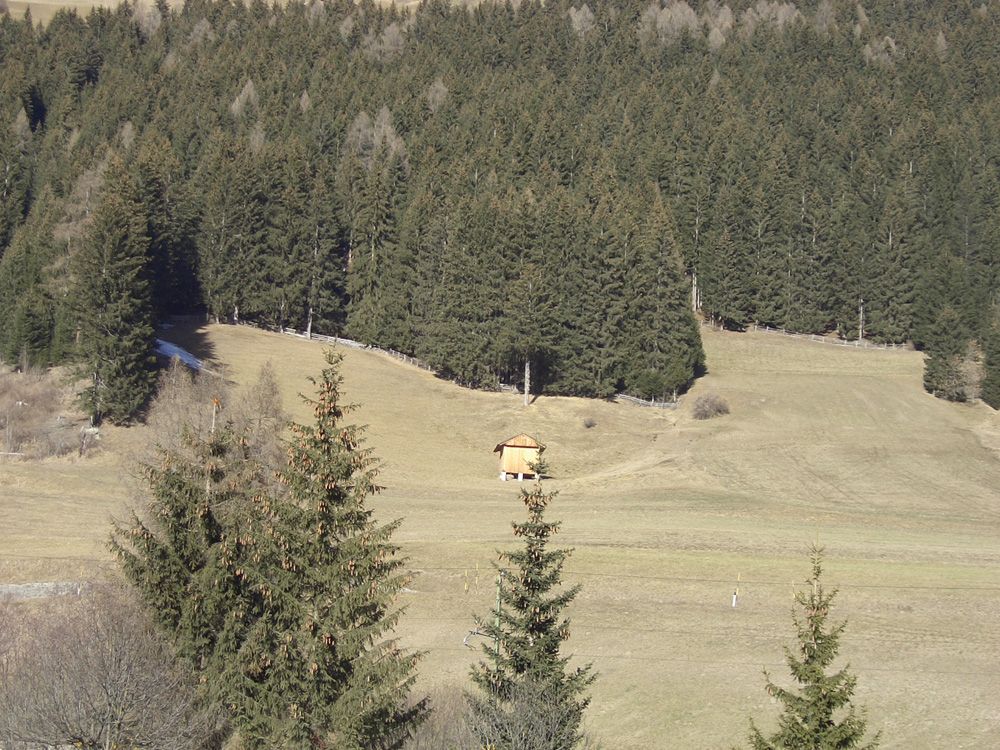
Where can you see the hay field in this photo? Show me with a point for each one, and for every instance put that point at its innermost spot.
(42, 11)
(664, 512)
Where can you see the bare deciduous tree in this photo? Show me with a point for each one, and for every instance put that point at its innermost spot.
(530, 720)
(247, 97)
(715, 39)
(148, 18)
(83, 199)
(33, 421)
(529, 723)
(257, 139)
(20, 127)
(346, 27)
(581, 19)
(710, 405)
(201, 32)
(365, 137)
(766, 12)
(189, 405)
(316, 13)
(880, 51)
(436, 95)
(667, 24)
(447, 726)
(126, 134)
(717, 16)
(940, 44)
(826, 17)
(95, 674)
(387, 44)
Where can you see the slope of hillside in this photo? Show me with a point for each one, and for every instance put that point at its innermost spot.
(665, 513)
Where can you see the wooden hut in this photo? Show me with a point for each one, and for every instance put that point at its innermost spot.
(518, 455)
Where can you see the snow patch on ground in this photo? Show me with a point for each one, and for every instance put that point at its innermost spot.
(166, 349)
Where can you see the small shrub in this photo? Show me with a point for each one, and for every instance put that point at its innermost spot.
(32, 420)
(447, 726)
(589, 422)
(95, 669)
(710, 405)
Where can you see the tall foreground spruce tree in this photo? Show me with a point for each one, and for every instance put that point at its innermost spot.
(113, 305)
(528, 697)
(818, 715)
(281, 595)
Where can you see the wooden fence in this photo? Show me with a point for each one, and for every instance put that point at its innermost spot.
(625, 398)
(834, 341)
(349, 343)
(502, 387)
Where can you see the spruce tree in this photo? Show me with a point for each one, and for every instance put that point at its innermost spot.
(818, 715)
(726, 275)
(23, 280)
(170, 230)
(523, 664)
(991, 378)
(15, 176)
(112, 302)
(280, 595)
(902, 229)
(316, 666)
(661, 341)
(196, 492)
(946, 344)
(524, 338)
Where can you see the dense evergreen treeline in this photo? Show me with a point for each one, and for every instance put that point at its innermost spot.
(492, 188)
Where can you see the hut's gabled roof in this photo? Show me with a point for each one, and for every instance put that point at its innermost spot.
(519, 441)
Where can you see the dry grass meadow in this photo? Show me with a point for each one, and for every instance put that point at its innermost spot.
(665, 513)
(42, 11)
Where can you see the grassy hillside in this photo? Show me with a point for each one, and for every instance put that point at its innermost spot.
(42, 11)
(664, 512)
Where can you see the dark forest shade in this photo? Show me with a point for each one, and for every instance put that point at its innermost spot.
(501, 192)
(112, 301)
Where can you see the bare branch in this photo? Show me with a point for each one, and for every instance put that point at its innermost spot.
(95, 674)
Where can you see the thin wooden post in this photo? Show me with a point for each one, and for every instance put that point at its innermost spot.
(496, 637)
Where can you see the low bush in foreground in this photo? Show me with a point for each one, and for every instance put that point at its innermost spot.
(92, 672)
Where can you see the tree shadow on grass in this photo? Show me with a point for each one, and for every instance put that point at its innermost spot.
(189, 333)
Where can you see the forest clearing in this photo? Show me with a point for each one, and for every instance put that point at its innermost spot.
(667, 516)
(42, 11)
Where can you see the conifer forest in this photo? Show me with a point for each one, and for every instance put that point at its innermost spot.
(569, 187)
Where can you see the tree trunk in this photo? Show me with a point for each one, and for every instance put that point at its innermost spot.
(312, 283)
(527, 379)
